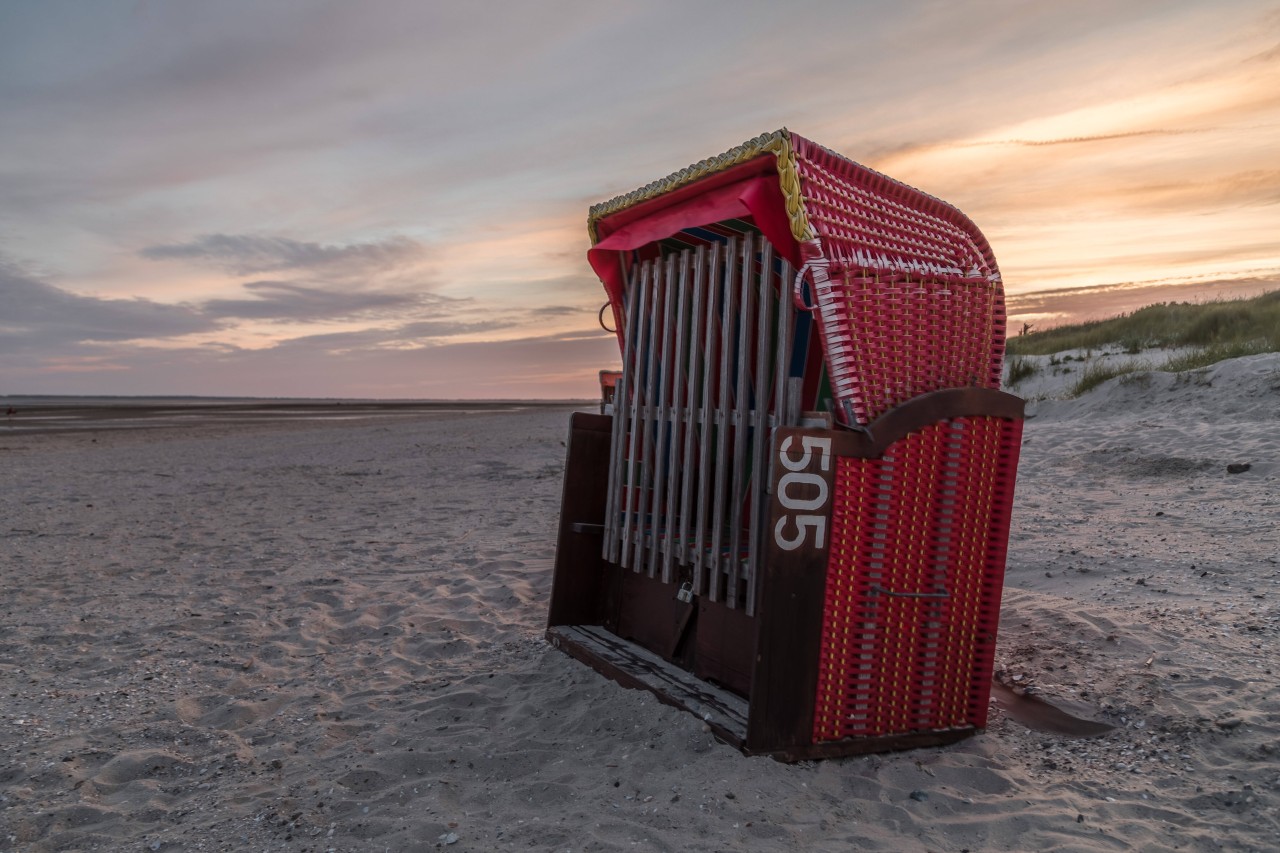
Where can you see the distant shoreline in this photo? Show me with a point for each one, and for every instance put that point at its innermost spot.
(27, 415)
(197, 399)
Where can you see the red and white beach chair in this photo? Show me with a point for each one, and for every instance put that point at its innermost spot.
(794, 519)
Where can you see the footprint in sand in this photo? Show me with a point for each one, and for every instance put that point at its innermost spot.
(223, 713)
(364, 781)
(138, 764)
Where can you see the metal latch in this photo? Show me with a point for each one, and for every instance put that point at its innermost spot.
(686, 593)
(876, 589)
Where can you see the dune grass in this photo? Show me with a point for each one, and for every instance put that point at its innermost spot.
(1021, 368)
(1220, 329)
(1207, 332)
(1095, 374)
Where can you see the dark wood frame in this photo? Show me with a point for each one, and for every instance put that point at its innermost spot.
(594, 603)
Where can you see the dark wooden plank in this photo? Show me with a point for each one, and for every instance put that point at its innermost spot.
(793, 589)
(865, 745)
(633, 666)
(649, 613)
(685, 621)
(580, 587)
(920, 412)
(725, 646)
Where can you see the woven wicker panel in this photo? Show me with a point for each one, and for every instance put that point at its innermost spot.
(898, 338)
(919, 305)
(916, 567)
(870, 221)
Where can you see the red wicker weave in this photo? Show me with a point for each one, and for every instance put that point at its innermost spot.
(907, 290)
(918, 539)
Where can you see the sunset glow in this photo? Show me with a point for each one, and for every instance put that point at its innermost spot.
(388, 199)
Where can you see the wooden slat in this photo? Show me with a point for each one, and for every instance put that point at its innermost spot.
(643, 322)
(677, 419)
(783, 357)
(702, 567)
(621, 422)
(722, 418)
(760, 420)
(697, 355)
(645, 419)
(741, 418)
(658, 418)
(778, 416)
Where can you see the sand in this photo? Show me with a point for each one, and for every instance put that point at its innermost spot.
(327, 635)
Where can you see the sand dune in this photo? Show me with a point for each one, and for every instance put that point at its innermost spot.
(323, 635)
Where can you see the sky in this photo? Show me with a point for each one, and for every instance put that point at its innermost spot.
(388, 199)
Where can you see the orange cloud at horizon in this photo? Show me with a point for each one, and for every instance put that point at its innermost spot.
(1175, 182)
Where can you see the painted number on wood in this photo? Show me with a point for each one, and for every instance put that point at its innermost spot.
(805, 516)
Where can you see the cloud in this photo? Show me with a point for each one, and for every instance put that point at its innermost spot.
(246, 254)
(408, 336)
(1077, 140)
(425, 330)
(1199, 194)
(40, 318)
(556, 311)
(548, 367)
(111, 346)
(286, 301)
(37, 314)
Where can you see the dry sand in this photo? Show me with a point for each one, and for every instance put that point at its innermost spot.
(327, 635)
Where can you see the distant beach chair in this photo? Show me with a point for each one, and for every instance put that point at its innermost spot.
(608, 389)
(793, 519)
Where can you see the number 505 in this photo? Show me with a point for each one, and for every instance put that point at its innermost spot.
(801, 513)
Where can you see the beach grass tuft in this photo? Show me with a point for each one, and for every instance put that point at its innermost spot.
(1098, 372)
(1021, 368)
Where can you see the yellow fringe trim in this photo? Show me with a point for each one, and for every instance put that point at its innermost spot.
(777, 143)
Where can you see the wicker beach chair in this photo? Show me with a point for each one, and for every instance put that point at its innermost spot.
(608, 388)
(794, 520)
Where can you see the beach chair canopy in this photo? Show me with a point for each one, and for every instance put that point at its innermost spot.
(904, 287)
